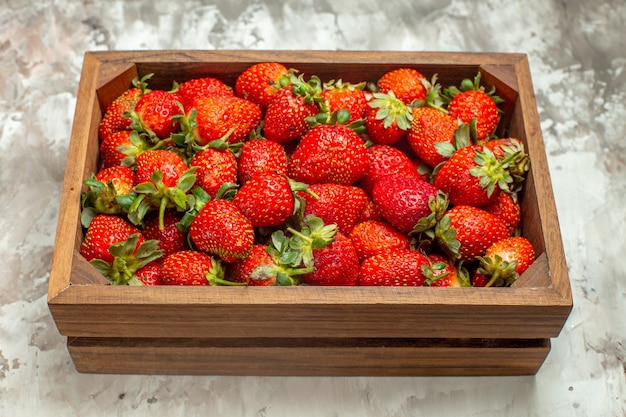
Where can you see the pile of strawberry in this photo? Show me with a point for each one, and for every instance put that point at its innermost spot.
(282, 180)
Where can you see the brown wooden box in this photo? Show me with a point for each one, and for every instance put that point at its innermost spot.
(309, 330)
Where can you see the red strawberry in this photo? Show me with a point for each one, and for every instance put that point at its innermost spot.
(150, 274)
(215, 167)
(103, 231)
(385, 160)
(403, 201)
(431, 131)
(387, 118)
(504, 261)
(440, 272)
(399, 267)
(351, 97)
(336, 204)
(260, 82)
(506, 208)
(259, 155)
(406, 83)
(163, 180)
(110, 192)
(373, 237)
(223, 117)
(267, 199)
(197, 88)
(336, 264)
(472, 105)
(466, 232)
(115, 118)
(329, 153)
(472, 176)
(156, 113)
(221, 229)
(286, 115)
(191, 267)
(170, 238)
(122, 148)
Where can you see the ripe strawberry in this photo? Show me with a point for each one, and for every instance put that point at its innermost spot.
(336, 264)
(335, 204)
(221, 229)
(406, 83)
(163, 180)
(117, 249)
(287, 113)
(385, 160)
(191, 267)
(440, 272)
(431, 129)
(403, 201)
(387, 118)
(373, 237)
(472, 105)
(149, 274)
(170, 238)
(504, 261)
(122, 148)
(260, 82)
(398, 267)
(466, 232)
(110, 191)
(472, 176)
(339, 95)
(267, 199)
(155, 114)
(223, 117)
(506, 208)
(259, 155)
(197, 88)
(214, 168)
(329, 153)
(115, 118)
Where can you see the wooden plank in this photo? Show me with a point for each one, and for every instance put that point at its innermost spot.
(312, 357)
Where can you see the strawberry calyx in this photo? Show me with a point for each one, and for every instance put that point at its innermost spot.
(391, 109)
(491, 171)
(103, 199)
(216, 275)
(313, 234)
(434, 96)
(127, 259)
(445, 235)
(425, 227)
(461, 139)
(469, 85)
(500, 273)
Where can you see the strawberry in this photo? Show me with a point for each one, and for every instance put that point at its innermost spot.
(373, 237)
(171, 239)
(472, 105)
(329, 153)
(115, 118)
(117, 249)
(155, 114)
(504, 261)
(122, 148)
(110, 191)
(385, 160)
(344, 96)
(267, 199)
(150, 274)
(472, 176)
(197, 88)
(403, 201)
(214, 168)
(465, 232)
(510, 151)
(431, 129)
(299, 247)
(506, 207)
(221, 229)
(335, 264)
(338, 204)
(286, 115)
(260, 82)
(260, 155)
(229, 118)
(406, 83)
(398, 267)
(189, 267)
(440, 272)
(387, 118)
(163, 180)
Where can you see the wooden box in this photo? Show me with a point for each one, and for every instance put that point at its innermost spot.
(306, 330)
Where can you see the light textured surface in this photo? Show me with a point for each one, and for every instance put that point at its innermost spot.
(577, 55)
